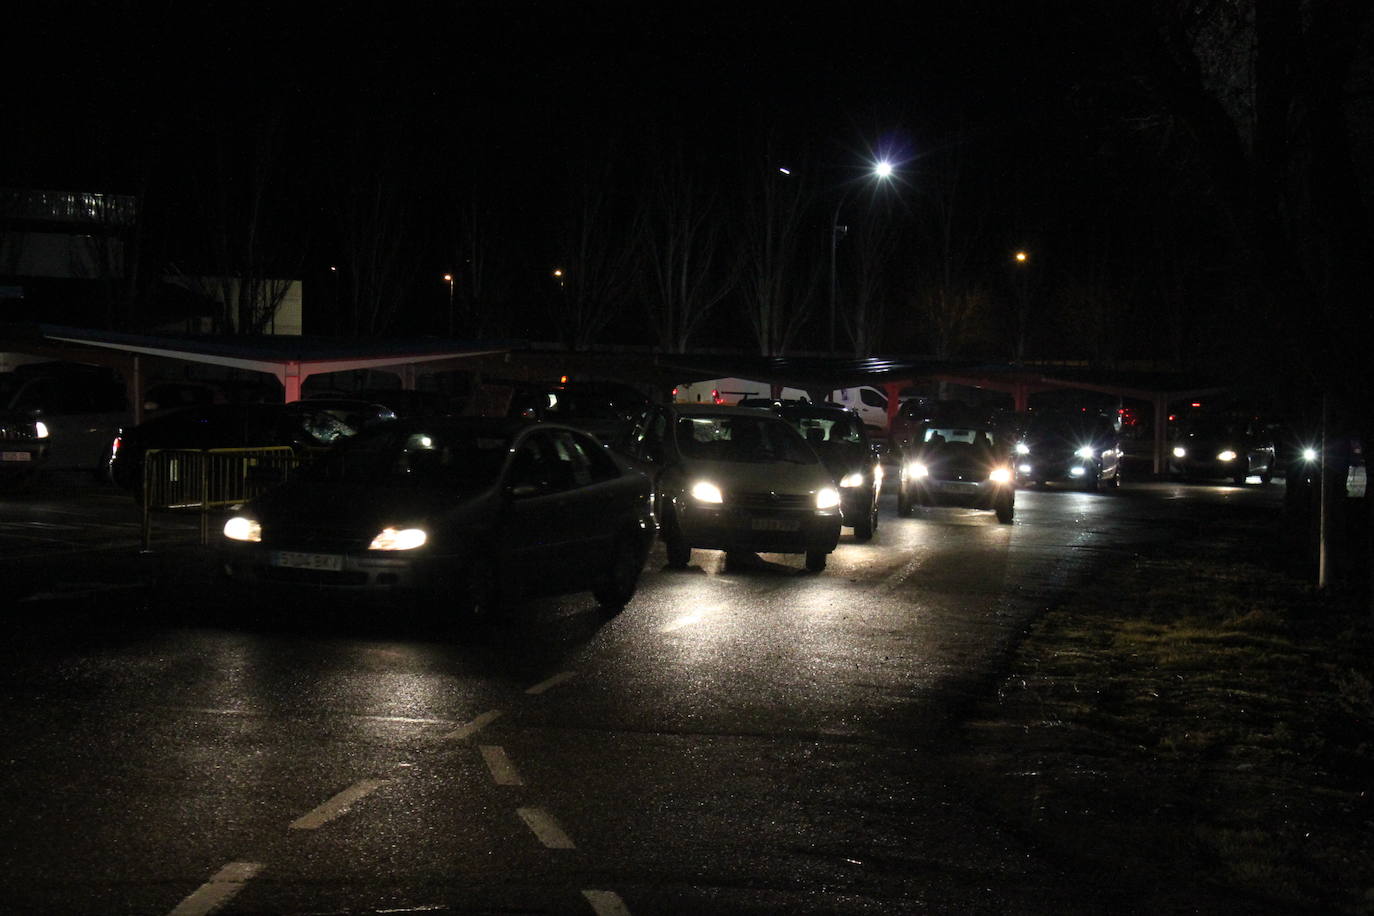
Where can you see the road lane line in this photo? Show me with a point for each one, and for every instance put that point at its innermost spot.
(544, 686)
(606, 903)
(216, 892)
(545, 828)
(502, 770)
(475, 726)
(337, 805)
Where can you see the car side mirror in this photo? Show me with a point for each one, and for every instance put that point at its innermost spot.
(523, 490)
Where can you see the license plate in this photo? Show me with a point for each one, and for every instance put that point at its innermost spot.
(958, 487)
(327, 561)
(777, 524)
(15, 456)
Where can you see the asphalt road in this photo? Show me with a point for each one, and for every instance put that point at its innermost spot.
(738, 740)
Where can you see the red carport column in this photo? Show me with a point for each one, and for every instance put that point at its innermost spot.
(291, 380)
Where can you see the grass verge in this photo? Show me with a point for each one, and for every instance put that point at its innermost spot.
(1197, 725)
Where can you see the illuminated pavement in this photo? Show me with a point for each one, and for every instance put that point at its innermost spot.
(742, 740)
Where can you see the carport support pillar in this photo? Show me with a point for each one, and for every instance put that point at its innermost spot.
(1020, 395)
(291, 381)
(136, 389)
(1161, 435)
(893, 390)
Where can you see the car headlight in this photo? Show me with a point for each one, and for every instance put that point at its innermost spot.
(399, 539)
(242, 528)
(1180, 452)
(1022, 448)
(1086, 452)
(1226, 455)
(707, 492)
(1000, 475)
(40, 429)
(852, 480)
(827, 498)
(917, 470)
(1025, 468)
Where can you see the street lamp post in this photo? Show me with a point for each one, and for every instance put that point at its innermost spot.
(881, 170)
(448, 278)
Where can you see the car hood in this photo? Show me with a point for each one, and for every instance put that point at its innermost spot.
(359, 507)
(844, 457)
(761, 477)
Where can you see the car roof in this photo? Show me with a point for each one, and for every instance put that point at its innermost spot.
(722, 410)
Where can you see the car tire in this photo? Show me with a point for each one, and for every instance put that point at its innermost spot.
(864, 527)
(679, 554)
(1005, 512)
(903, 502)
(1242, 473)
(622, 577)
(815, 560)
(481, 592)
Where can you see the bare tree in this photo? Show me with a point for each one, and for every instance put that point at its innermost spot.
(249, 255)
(776, 285)
(596, 258)
(687, 272)
(875, 244)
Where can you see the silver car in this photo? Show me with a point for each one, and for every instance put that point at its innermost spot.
(738, 479)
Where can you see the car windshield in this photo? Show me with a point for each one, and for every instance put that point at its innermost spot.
(445, 458)
(959, 435)
(829, 429)
(741, 439)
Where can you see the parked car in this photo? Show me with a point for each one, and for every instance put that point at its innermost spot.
(23, 447)
(302, 425)
(607, 410)
(738, 479)
(81, 406)
(479, 511)
(839, 436)
(1069, 447)
(966, 465)
(1223, 446)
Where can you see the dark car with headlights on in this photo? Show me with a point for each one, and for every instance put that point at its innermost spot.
(23, 447)
(968, 465)
(477, 511)
(738, 479)
(1073, 447)
(1216, 447)
(839, 437)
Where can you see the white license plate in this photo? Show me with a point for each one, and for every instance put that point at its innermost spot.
(15, 456)
(777, 524)
(327, 561)
(958, 487)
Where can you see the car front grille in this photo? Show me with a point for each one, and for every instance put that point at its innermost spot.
(758, 500)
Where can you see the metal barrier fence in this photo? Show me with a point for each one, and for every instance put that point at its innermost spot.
(206, 480)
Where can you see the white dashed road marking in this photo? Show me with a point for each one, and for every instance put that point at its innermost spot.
(545, 828)
(543, 686)
(502, 770)
(475, 726)
(214, 893)
(337, 805)
(606, 903)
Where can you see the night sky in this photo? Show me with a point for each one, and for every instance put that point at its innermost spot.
(513, 100)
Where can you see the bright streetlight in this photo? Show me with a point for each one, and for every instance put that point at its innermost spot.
(881, 170)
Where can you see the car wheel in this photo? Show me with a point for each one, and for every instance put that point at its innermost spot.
(622, 577)
(1005, 512)
(679, 554)
(815, 560)
(481, 594)
(863, 528)
(1242, 472)
(903, 501)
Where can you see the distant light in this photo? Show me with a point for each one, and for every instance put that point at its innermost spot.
(1197, 403)
(1309, 454)
(448, 278)
(883, 169)
(784, 171)
(1022, 257)
(562, 380)
(557, 272)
